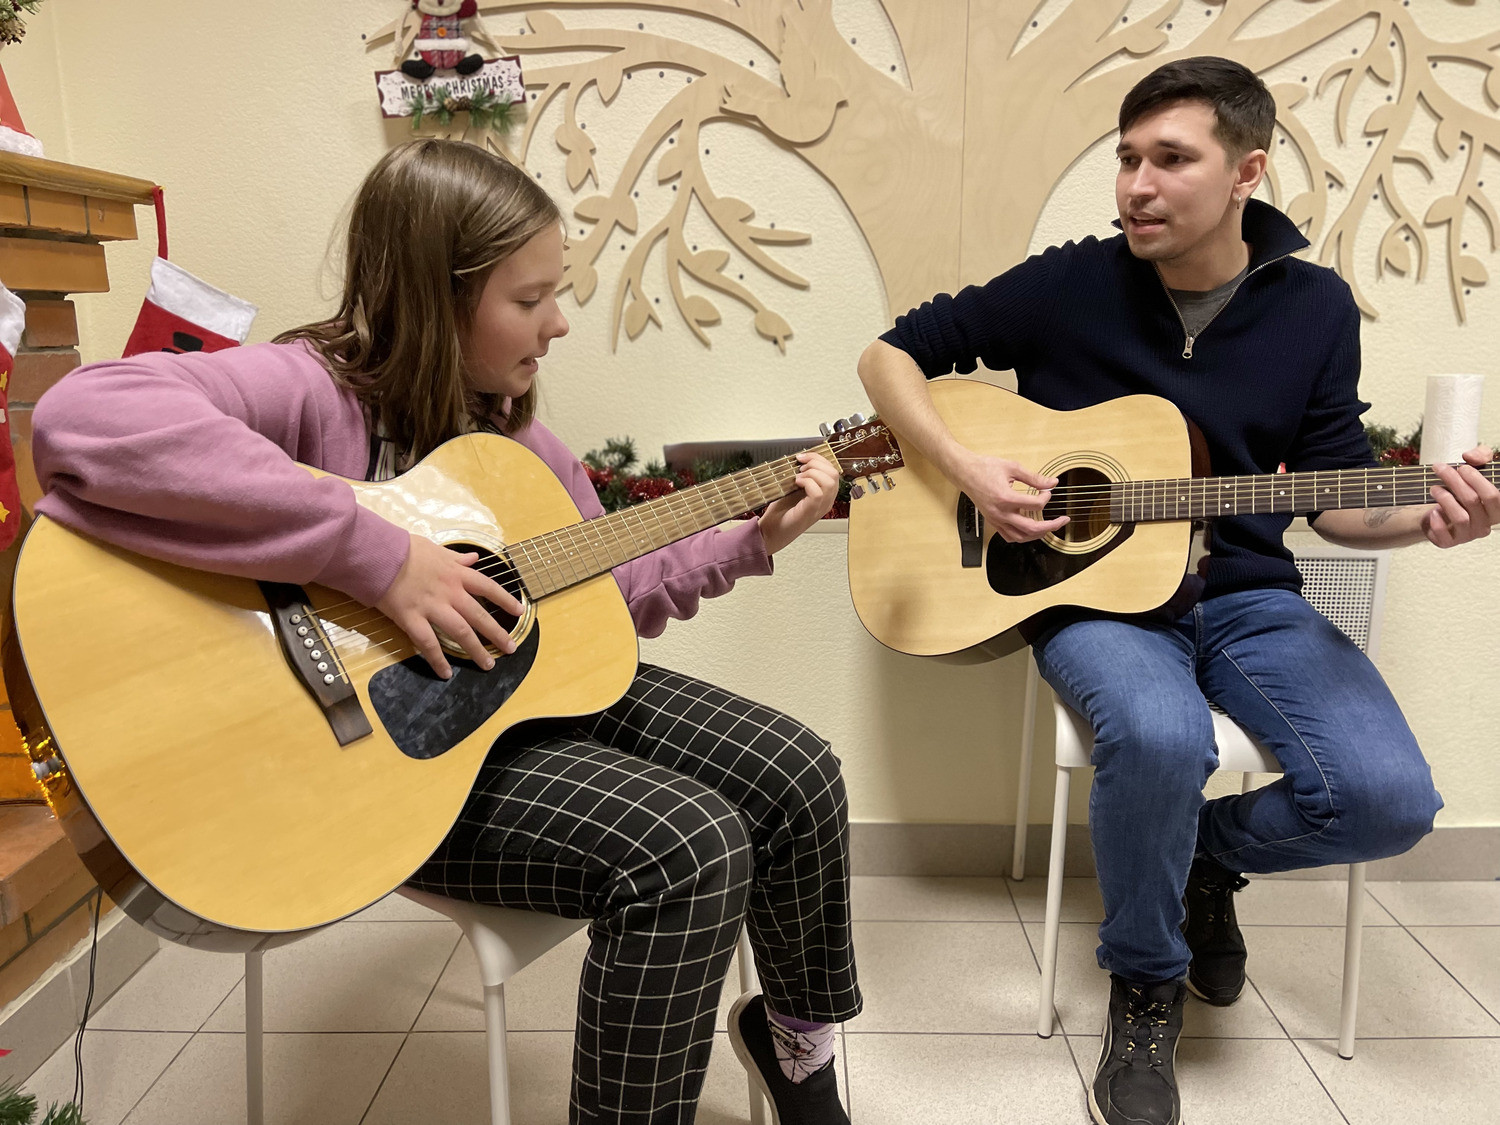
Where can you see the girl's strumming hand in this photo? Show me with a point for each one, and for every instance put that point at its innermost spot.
(437, 589)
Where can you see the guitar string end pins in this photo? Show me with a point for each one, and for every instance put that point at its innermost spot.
(49, 768)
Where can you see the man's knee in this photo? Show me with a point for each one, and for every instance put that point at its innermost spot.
(1385, 815)
(1160, 748)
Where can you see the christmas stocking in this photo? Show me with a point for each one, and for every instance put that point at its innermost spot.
(183, 313)
(12, 322)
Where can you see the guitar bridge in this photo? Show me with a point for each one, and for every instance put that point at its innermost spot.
(970, 532)
(313, 660)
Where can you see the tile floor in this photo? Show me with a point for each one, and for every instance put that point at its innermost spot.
(377, 1021)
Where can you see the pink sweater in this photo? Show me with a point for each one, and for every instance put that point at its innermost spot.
(193, 459)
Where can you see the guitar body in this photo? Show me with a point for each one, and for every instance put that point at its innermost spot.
(917, 589)
(198, 761)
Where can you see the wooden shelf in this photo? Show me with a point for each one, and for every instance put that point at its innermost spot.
(72, 179)
(48, 198)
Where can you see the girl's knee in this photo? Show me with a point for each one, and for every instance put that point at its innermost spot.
(695, 842)
(804, 779)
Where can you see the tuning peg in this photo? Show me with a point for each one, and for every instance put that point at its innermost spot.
(874, 484)
(840, 426)
(856, 419)
(889, 483)
(857, 491)
(825, 429)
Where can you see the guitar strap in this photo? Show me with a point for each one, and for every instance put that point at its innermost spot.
(386, 462)
(383, 458)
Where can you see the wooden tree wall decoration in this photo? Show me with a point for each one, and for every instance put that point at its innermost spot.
(1074, 103)
(827, 105)
(1000, 97)
(1460, 131)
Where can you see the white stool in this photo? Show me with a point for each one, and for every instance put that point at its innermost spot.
(504, 941)
(1238, 752)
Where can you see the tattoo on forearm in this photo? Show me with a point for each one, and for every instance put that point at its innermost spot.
(1374, 517)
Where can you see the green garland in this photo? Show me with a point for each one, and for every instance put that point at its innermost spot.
(12, 28)
(618, 486)
(1390, 448)
(487, 109)
(17, 1108)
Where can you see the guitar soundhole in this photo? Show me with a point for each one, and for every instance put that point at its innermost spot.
(1083, 494)
(1014, 569)
(499, 568)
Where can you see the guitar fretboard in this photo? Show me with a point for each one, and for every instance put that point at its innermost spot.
(559, 559)
(1196, 498)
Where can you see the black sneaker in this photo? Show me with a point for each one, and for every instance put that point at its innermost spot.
(1136, 1083)
(813, 1101)
(1217, 971)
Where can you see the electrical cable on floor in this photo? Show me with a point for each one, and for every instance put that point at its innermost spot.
(87, 1003)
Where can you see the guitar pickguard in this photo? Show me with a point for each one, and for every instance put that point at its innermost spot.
(1014, 569)
(426, 716)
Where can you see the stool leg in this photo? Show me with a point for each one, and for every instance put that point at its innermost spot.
(255, 1102)
(494, 1037)
(749, 979)
(1023, 777)
(1354, 934)
(1054, 902)
(750, 982)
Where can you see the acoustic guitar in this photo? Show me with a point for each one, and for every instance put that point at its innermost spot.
(235, 759)
(928, 578)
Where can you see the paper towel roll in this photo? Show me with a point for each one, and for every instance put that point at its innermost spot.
(1450, 423)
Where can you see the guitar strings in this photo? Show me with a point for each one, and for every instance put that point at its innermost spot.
(388, 638)
(502, 565)
(1402, 473)
(1407, 485)
(677, 505)
(1070, 499)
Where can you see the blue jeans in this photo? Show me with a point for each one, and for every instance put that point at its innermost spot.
(1356, 786)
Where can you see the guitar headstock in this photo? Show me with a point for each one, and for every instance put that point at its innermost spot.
(864, 448)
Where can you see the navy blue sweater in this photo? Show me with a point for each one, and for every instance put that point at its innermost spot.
(1273, 378)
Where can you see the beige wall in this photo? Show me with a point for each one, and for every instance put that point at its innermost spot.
(259, 120)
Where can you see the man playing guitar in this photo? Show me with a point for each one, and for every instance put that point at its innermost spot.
(1199, 301)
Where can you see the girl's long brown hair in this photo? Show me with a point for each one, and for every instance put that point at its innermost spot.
(429, 223)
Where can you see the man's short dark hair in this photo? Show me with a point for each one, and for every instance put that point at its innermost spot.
(1244, 111)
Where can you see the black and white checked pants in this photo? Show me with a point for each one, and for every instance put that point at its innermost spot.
(671, 819)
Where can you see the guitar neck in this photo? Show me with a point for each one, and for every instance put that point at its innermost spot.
(559, 559)
(1197, 498)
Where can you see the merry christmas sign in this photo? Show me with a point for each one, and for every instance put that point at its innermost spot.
(499, 78)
